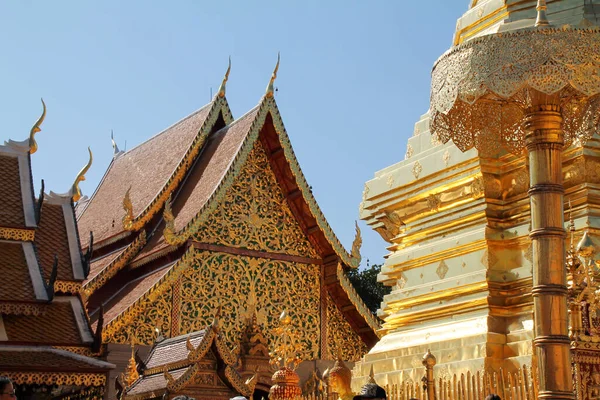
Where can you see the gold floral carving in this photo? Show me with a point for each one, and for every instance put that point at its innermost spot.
(21, 235)
(255, 215)
(442, 269)
(434, 201)
(111, 270)
(266, 107)
(409, 151)
(341, 338)
(390, 181)
(357, 300)
(219, 107)
(229, 281)
(477, 187)
(416, 170)
(67, 287)
(210, 280)
(446, 157)
(82, 351)
(55, 378)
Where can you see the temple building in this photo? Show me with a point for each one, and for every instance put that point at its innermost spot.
(47, 345)
(215, 213)
(458, 224)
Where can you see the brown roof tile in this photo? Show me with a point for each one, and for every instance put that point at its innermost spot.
(154, 382)
(215, 160)
(40, 359)
(173, 350)
(51, 238)
(130, 293)
(146, 169)
(99, 264)
(57, 325)
(11, 202)
(15, 281)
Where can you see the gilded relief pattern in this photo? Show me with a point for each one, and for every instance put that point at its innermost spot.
(254, 213)
(341, 336)
(238, 284)
(140, 323)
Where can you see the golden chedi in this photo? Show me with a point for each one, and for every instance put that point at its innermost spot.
(285, 385)
(286, 382)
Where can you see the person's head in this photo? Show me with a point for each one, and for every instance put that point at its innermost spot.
(371, 391)
(238, 398)
(182, 397)
(7, 390)
(493, 396)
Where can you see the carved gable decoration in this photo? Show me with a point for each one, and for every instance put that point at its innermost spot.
(254, 213)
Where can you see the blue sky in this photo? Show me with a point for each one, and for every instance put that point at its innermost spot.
(353, 80)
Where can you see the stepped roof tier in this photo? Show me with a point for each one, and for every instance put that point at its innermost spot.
(231, 222)
(45, 335)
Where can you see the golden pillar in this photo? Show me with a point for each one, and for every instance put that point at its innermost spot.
(544, 141)
(429, 362)
(535, 89)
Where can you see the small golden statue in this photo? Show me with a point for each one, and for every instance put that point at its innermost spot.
(594, 388)
(340, 378)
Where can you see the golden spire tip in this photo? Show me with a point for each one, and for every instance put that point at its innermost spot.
(222, 88)
(270, 87)
(75, 191)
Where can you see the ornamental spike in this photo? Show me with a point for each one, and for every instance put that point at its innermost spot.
(542, 19)
(76, 192)
(35, 129)
(114, 144)
(270, 88)
(221, 91)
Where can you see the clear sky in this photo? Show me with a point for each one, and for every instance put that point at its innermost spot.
(353, 80)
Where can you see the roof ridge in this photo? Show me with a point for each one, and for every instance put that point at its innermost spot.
(169, 127)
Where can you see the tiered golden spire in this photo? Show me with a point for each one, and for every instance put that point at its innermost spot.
(131, 373)
(284, 355)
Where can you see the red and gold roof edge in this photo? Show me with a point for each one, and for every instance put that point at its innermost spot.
(17, 234)
(56, 378)
(267, 105)
(219, 107)
(115, 266)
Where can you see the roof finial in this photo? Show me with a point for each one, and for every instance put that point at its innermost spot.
(221, 91)
(75, 191)
(35, 129)
(114, 144)
(270, 88)
(542, 19)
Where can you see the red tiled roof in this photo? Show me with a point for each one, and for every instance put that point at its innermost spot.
(155, 244)
(47, 359)
(215, 159)
(172, 350)
(56, 326)
(130, 293)
(146, 169)
(15, 281)
(11, 201)
(99, 264)
(154, 382)
(51, 238)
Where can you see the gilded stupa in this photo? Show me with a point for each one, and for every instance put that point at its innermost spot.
(457, 215)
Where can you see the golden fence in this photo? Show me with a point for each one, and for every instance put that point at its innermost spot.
(516, 385)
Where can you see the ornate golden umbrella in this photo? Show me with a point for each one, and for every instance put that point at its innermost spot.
(536, 90)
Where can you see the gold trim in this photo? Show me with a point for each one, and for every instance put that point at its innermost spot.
(56, 378)
(357, 301)
(67, 287)
(21, 309)
(446, 294)
(425, 315)
(21, 235)
(118, 263)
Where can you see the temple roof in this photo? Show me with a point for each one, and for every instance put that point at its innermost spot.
(29, 358)
(147, 171)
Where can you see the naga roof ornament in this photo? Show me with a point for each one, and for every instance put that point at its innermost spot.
(356, 245)
(270, 88)
(221, 92)
(75, 191)
(114, 144)
(35, 129)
